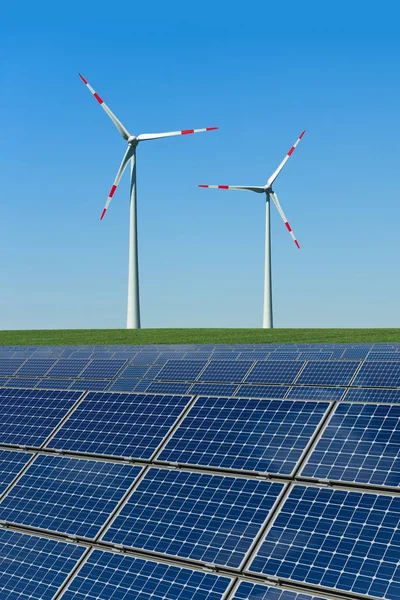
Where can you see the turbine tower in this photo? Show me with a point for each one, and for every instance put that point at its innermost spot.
(133, 317)
(270, 195)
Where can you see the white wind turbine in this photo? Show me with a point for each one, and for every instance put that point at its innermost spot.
(270, 194)
(133, 317)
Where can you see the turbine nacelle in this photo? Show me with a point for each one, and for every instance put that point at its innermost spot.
(132, 140)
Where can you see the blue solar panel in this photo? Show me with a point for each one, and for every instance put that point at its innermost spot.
(248, 590)
(305, 392)
(123, 385)
(262, 391)
(152, 372)
(274, 372)
(181, 370)
(33, 568)
(36, 367)
(90, 384)
(199, 516)
(29, 416)
(240, 433)
(142, 385)
(339, 539)
(355, 353)
(168, 388)
(197, 355)
(103, 369)
(228, 371)
(328, 373)
(255, 355)
(54, 384)
(144, 358)
(119, 424)
(11, 463)
(315, 355)
(213, 389)
(69, 495)
(23, 382)
(110, 576)
(388, 355)
(9, 366)
(134, 371)
(361, 443)
(379, 374)
(372, 395)
(67, 368)
(284, 355)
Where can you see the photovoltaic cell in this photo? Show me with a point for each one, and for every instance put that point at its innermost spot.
(339, 539)
(123, 385)
(142, 385)
(361, 443)
(213, 389)
(67, 368)
(352, 353)
(181, 370)
(228, 371)
(90, 384)
(152, 372)
(134, 371)
(328, 373)
(11, 463)
(372, 395)
(54, 384)
(305, 392)
(29, 416)
(102, 369)
(274, 372)
(36, 367)
(22, 382)
(249, 434)
(110, 576)
(256, 591)
(119, 424)
(8, 366)
(284, 355)
(314, 355)
(32, 567)
(194, 515)
(262, 391)
(163, 387)
(69, 495)
(379, 374)
(388, 355)
(144, 358)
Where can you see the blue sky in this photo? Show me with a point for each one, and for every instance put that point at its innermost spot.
(260, 72)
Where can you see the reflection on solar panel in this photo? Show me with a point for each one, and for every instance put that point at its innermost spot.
(335, 538)
(119, 424)
(29, 416)
(255, 591)
(240, 433)
(304, 392)
(33, 567)
(103, 369)
(8, 366)
(274, 372)
(328, 373)
(372, 395)
(262, 391)
(204, 517)
(379, 374)
(181, 370)
(361, 443)
(110, 575)
(67, 367)
(35, 367)
(69, 495)
(11, 463)
(213, 389)
(228, 371)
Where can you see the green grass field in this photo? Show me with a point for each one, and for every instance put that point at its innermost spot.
(196, 336)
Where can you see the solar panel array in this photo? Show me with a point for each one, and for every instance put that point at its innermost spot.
(200, 472)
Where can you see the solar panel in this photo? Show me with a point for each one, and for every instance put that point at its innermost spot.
(54, 384)
(379, 374)
(197, 355)
(90, 384)
(23, 382)
(134, 371)
(255, 355)
(284, 355)
(248, 590)
(203, 517)
(335, 538)
(123, 385)
(304, 392)
(249, 434)
(32, 567)
(351, 353)
(103, 369)
(228, 371)
(387, 355)
(168, 388)
(36, 367)
(144, 358)
(119, 424)
(213, 389)
(315, 355)
(142, 385)
(67, 368)
(328, 373)
(11, 463)
(8, 366)
(153, 372)
(69, 495)
(274, 372)
(361, 443)
(262, 391)
(372, 395)
(107, 575)
(29, 416)
(181, 370)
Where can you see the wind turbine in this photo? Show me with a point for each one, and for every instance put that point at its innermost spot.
(133, 317)
(270, 194)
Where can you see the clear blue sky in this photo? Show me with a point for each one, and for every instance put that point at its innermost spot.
(260, 71)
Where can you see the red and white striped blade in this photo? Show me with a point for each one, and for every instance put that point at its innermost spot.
(280, 211)
(123, 131)
(250, 188)
(283, 163)
(154, 136)
(128, 155)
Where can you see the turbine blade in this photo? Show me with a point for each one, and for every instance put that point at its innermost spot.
(283, 163)
(155, 136)
(250, 188)
(123, 131)
(128, 155)
(280, 211)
